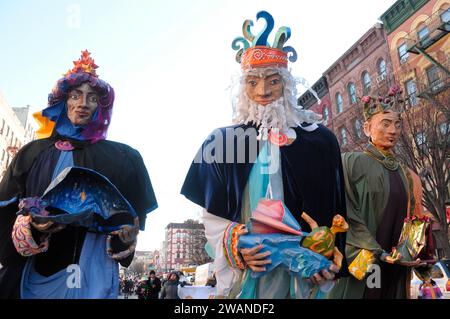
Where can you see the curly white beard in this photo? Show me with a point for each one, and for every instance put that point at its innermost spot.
(270, 116)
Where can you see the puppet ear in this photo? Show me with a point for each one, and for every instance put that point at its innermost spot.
(366, 128)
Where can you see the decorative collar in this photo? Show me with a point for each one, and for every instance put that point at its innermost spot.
(387, 160)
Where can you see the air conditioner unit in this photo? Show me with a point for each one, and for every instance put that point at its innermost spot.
(437, 86)
(381, 77)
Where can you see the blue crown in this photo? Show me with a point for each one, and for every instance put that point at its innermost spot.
(249, 40)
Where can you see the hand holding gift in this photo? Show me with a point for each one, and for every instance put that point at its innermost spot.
(272, 238)
(411, 250)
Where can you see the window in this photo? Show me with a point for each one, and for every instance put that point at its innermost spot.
(3, 126)
(403, 53)
(422, 34)
(382, 67)
(421, 141)
(433, 78)
(351, 93)
(444, 128)
(365, 79)
(343, 136)
(325, 114)
(358, 129)
(339, 103)
(445, 16)
(411, 91)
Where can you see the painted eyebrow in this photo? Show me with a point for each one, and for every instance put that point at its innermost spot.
(390, 121)
(81, 92)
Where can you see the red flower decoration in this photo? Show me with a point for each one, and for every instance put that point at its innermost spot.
(366, 99)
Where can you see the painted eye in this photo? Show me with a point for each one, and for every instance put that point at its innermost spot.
(252, 83)
(274, 81)
(74, 96)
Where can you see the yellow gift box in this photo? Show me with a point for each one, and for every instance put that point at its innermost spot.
(359, 266)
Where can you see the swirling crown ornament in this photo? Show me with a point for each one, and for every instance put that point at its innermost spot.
(254, 51)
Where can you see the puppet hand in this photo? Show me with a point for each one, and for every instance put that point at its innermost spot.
(255, 260)
(121, 254)
(397, 259)
(128, 234)
(324, 275)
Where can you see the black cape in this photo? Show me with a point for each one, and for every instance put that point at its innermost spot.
(30, 173)
(311, 170)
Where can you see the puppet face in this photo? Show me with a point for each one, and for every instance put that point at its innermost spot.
(384, 129)
(264, 90)
(82, 102)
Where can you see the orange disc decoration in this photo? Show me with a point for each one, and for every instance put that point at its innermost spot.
(278, 139)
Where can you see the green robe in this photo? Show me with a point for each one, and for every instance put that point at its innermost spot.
(367, 186)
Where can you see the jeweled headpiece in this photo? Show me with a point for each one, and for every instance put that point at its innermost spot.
(84, 64)
(374, 105)
(254, 51)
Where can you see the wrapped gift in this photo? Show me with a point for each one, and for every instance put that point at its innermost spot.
(273, 226)
(360, 265)
(412, 238)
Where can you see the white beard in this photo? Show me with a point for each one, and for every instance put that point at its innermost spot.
(268, 117)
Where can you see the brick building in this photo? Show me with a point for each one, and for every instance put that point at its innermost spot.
(417, 35)
(184, 245)
(308, 101)
(364, 69)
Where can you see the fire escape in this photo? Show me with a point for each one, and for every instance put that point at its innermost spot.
(435, 28)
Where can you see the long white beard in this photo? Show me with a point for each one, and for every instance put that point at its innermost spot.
(270, 116)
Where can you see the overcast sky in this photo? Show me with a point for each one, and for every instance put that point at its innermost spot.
(170, 63)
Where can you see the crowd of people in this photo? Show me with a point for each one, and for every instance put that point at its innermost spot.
(151, 286)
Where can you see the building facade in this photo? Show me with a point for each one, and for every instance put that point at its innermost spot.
(365, 69)
(184, 245)
(419, 46)
(309, 101)
(15, 131)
